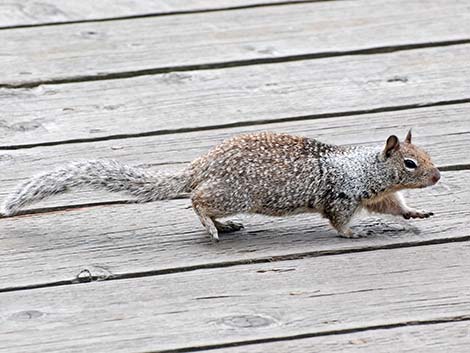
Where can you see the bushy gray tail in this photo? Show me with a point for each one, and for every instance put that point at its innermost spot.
(109, 175)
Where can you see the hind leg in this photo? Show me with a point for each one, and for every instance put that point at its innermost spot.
(212, 201)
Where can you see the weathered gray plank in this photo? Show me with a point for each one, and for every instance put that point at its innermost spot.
(437, 338)
(164, 235)
(105, 48)
(24, 13)
(236, 304)
(201, 99)
(443, 131)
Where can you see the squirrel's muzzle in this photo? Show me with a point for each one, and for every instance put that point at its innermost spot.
(435, 176)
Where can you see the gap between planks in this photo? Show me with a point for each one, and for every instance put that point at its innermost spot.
(451, 319)
(241, 124)
(434, 278)
(259, 94)
(103, 49)
(236, 63)
(85, 276)
(162, 14)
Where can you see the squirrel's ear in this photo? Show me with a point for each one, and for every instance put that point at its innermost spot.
(408, 137)
(392, 145)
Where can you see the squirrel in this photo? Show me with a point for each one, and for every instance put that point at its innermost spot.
(264, 173)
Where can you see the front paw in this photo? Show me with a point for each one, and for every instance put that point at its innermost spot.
(417, 214)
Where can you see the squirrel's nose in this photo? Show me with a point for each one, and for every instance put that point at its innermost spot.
(436, 176)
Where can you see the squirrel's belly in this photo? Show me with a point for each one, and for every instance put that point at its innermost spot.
(281, 211)
(281, 203)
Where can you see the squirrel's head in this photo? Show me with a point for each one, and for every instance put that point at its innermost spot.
(412, 164)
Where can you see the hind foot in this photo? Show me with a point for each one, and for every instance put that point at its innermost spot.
(228, 226)
(412, 213)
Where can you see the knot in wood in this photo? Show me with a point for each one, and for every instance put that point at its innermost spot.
(247, 321)
(26, 315)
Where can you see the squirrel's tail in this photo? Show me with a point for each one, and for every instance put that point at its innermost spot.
(101, 174)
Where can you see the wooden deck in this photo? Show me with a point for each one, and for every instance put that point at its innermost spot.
(156, 84)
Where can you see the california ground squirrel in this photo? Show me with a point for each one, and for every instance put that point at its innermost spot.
(265, 173)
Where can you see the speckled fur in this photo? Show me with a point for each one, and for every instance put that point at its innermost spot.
(264, 173)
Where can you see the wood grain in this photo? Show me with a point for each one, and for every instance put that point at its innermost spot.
(243, 303)
(29, 13)
(443, 131)
(157, 88)
(121, 239)
(97, 49)
(245, 95)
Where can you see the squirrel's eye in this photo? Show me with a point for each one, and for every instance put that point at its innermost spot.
(410, 164)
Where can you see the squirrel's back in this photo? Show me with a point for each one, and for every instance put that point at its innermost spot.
(258, 154)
